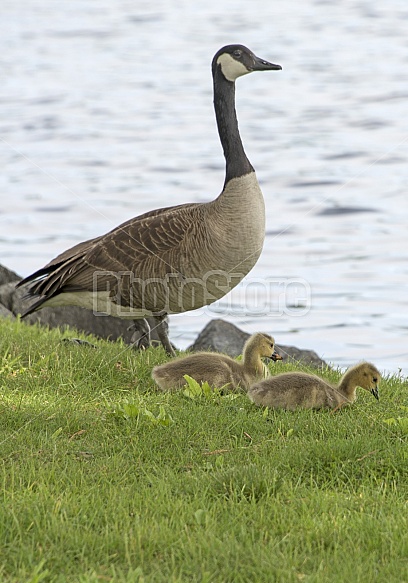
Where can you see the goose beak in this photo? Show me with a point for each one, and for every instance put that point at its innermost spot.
(374, 392)
(275, 356)
(262, 65)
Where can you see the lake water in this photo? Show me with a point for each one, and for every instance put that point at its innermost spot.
(106, 112)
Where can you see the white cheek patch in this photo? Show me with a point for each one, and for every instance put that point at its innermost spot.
(231, 69)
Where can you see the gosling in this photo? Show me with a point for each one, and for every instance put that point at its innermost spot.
(219, 370)
(300, 390)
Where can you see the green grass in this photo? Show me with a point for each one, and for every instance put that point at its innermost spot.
(104, 479)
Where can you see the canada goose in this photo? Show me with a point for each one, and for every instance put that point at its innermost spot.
(300, 390)
(173, 259)
(219, 370)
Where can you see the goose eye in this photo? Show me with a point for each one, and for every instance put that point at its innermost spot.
(237, 53)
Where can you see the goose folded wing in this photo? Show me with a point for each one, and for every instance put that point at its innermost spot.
(153, 239)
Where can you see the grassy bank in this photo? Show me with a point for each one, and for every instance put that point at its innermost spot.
(104, 479)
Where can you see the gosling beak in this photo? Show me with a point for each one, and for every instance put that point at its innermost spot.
(275, 356)
(374, 392)
(262, 65)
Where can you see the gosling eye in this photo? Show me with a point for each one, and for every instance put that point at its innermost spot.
(375, 379)
(237, 53)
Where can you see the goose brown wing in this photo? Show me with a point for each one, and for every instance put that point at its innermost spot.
(153, 238)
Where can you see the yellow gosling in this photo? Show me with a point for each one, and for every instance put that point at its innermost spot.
(219, 370)
(295, 390)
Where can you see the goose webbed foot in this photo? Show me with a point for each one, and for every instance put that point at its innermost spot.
(140, 338)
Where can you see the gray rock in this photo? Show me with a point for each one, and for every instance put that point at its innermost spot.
(18, 300)
(222, 336)
(7, 291)
(6, 275)
(301, 355)
(83, 320)
(5, 313)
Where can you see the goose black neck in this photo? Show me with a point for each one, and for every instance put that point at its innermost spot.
(237, 163)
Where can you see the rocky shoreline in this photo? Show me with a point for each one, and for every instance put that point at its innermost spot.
(218, 335)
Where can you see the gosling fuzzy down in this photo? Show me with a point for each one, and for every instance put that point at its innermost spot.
(219, 370)
(295, 390)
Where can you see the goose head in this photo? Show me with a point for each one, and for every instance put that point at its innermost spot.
(264, 345)
(237, 60)
(368, 377)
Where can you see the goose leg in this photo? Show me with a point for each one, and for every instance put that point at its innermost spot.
(141, 334)
(162, 327)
